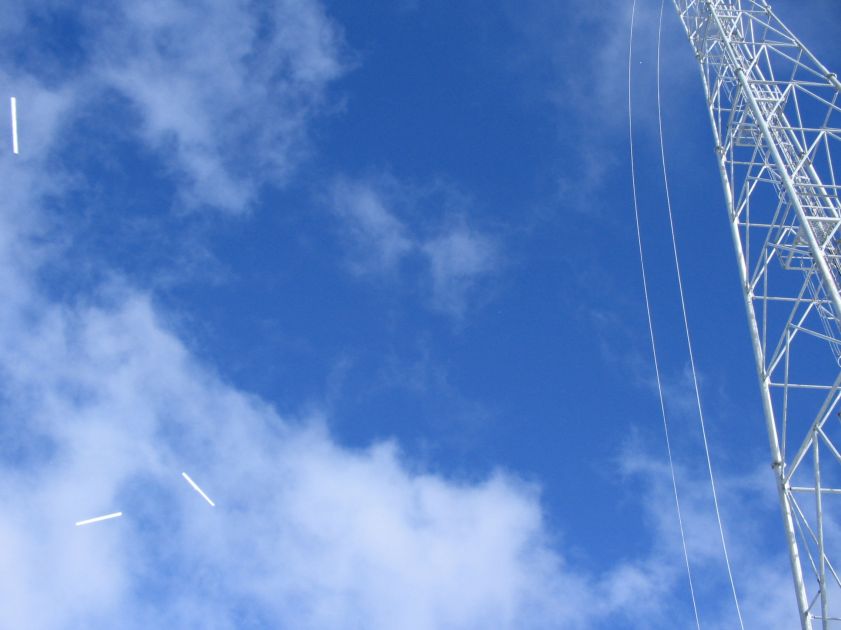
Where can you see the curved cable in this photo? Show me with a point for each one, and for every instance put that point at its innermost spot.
(686, 330)
(650, 320)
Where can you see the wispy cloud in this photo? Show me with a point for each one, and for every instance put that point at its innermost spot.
(222, 92)
(746, 503)
(458, 259)
(593, 91)
(454, 256)
(378, 239)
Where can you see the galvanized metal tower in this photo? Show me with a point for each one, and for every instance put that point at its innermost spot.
(775, 112)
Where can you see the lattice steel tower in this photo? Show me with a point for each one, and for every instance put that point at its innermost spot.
(776, 119)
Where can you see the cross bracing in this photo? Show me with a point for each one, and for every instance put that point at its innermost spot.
(775, 112)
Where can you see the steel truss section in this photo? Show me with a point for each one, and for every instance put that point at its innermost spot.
(776, 118)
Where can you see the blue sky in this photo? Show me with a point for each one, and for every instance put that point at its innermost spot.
(367, 272)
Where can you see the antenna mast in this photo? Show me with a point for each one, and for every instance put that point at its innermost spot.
(776, 119)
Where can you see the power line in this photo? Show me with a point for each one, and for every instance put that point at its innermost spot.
(686, 326)
(651, 323)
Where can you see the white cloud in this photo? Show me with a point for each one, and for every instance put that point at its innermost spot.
(454, 256)
(305, 533)
(593, 90)
(378, 239)
(458, 259)
(753, 532)
(223, 91)
(109, 408)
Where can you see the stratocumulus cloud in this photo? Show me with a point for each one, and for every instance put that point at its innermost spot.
(306, 534)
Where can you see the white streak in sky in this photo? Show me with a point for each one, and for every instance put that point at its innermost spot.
(99, 518)
(197, 489)
(14, 125)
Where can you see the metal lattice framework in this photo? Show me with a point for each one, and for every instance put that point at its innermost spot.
(776, 117)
